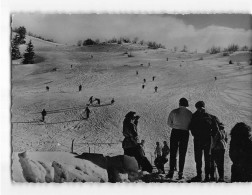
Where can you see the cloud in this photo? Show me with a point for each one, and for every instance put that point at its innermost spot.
(169, 31)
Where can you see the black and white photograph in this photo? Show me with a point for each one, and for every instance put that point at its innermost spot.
(137, 98)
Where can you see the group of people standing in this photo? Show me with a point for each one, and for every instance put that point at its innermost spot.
(210, 140)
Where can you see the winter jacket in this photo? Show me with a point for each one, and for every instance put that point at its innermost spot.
(203, 125)
(180, 118)
(130, 134)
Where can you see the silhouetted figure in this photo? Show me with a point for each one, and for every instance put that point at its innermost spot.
(215, 78)
(136, 72)
(155, 89)
(144, 80)
(112, 101)
(153, 78)
(47, 88)
(130, 143)
(91, 56)
(71, 66)
(141, 64)
(166, 59)
(91, 100)
(240, 153)
(43, 113)
(161, 160)
(80, 87)
(87, 112)
(203, 126)
(143, 86)
(230, 62)
(149, 64)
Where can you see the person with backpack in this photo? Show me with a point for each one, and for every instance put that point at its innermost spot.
(202, 127)
(218, 147)
(240, 153)
(179, 120)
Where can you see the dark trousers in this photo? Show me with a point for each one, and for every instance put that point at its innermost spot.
(179, 139)
(217, 158)
(201, 147)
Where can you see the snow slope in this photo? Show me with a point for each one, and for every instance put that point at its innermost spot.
(112, 74)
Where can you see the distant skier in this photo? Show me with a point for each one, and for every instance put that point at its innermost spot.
(112, 101)
(149, 64)
(47, 88)
(91, 56)
(87, 112)
(144, 80)
(155, 89)
(71, 66)
(91, 100)
(180, 65)
(215, 78)
(43, 113)
(136, 72)
(80, 87)
(153, 78)
(167, 59)
(143, 86)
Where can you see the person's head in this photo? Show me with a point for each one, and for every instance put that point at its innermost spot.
(183, 102)
(165, 143)
(157, 143)
(130, 115)
(240, 131)
(200, 105)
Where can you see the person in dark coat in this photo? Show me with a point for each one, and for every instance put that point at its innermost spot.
(202, 127)
(240, 153)
(80, 87)
(87, 112)
(153, 78)
(143, 86)
(47, 88)
(155, 88)
(112, 101)
(144, 80)
(91, 100)
(136, 72)
(43, 113)
(130, 143)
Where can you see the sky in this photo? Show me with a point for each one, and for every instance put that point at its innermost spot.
(197, 32)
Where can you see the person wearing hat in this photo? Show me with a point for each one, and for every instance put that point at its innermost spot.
(179, 120)
(130, 134)
(130, 143)
(203, 126)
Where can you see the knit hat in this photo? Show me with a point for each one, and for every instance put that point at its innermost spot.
(200, 104)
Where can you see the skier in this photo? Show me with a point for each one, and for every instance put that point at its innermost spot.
(47, 88)
(155, 89)
(112, 101)
(144, 80)
(91, 100)
(87, 112)
(80, 87)
(136, 72)
(143, 86)
(153, 78)
(43, 113)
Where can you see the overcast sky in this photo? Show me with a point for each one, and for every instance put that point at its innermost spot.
(196, 31)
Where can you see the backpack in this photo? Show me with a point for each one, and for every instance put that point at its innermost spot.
(219, 140)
